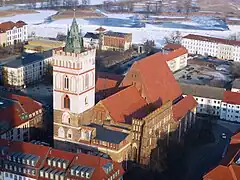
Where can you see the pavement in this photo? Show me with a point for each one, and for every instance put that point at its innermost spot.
(203, 159)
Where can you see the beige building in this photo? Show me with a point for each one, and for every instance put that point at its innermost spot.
(3, 38)
(41, 45)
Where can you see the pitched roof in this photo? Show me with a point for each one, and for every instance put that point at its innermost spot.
(14, 110)
(183, 107)
(202, 91)
(231, 97)
(91, 35)
(219, 173)
(236, 84)
(212, 39)
(157, 79)
(125, 104)
(100, 29)
(173, 46)
(5, 26)
(173, 54)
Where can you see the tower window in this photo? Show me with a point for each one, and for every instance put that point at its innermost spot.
(67, 102)
(66, 82)
(86, 101)
(86, 81)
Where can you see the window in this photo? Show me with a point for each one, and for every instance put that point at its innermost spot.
(67, 102)
(86, 101)
(6, 174)
(69, 134)
(61, 132)
(66, 118)
(86, 81)
(66, 82)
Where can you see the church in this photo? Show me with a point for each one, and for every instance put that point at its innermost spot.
(119, 117)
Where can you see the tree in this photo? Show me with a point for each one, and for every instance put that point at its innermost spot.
(233, 37)
(4, 76)
(188, 6)
(174, 38)
(149, 46)
(48, 72)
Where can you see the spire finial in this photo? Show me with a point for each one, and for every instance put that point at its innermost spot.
(74, 13)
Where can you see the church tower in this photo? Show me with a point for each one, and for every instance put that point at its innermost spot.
(73, 86)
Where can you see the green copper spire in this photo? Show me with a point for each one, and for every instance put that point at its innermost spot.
(74, 41)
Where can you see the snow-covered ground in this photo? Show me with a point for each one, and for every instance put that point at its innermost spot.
(34, 18)
(41, 28)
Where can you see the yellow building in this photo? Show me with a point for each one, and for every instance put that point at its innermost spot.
(41, 45)
(3, 38)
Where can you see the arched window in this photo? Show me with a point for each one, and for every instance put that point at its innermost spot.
(67, 102)
(86, 81)
(66, 118)
(66, 82)
(61, 132)
(69, 134)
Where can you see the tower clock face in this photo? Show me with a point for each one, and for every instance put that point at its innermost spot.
(65, 117)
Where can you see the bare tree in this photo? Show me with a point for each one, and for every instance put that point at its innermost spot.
(4, 76)
(174, 38)
(188, 6)
(233, 37)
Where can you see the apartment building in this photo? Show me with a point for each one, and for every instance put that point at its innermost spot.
(176, 56)
(14, 32)
(209, 46)
(209, 98)
(230, 106)
(19, 115)
(91, 40)
(25, 69)
(20, 160)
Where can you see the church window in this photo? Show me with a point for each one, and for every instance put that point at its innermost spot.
(86, 101)
(66, 118)
(86, 81)
(61, 132)
(66, 82)
(69, 134)
(66, 102)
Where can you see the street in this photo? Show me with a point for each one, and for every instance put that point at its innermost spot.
(203, 159)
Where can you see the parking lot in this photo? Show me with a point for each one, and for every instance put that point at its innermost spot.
(209, 71)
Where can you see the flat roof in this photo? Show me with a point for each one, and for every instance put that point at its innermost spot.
(202, 91)
(108, 135)
(25, 59)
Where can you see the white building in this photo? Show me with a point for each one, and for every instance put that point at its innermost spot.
(236, 86)
(91, 40)
(26, 69)
(208, 98)
(176, 56)
(230, 107)
(209, 46)
(16, 32)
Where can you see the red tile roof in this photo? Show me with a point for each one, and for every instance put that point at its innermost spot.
(173, 46)
(5, 26)
(125, 104)
(101, 29)
(183, 107)
(231, 97)
(107, 81)
(97, 163)
(158, 82)
(18, 106)
(212, 39)
(173, 54)
(219, 173)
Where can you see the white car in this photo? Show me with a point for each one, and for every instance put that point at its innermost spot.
(224, 136)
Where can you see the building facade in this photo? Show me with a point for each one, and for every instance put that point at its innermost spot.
(91, 40)
(20, 115)
(28, 68)
(3, 38)
(230, 106)
(20, 160)
(15, 32)
(208, 46)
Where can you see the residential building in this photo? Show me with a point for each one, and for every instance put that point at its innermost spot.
(91, 40)
(41, 45)
(25, 69)
(176, 56)
(20, 160)
(116, 123)
(229, 167)
(221, 48)
(3, 38)
(230, 106)
(16, 32)
(19, 115)
(116, 41)
(209, 98)
(236, 86)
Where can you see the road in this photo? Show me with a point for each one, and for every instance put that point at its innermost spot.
(201, 160)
